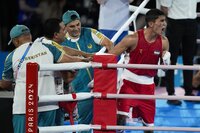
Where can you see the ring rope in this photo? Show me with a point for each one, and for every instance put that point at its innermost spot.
(152, 128)
(64, 66)
(83, 127)
(83, 96)
(67, 128)
(65, 97)
(81, 65)
(134, 8)
(147, 66)
(131, 96)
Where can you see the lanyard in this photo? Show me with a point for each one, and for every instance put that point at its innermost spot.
(22, 59)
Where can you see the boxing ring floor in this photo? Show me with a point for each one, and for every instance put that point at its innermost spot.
(186, 115)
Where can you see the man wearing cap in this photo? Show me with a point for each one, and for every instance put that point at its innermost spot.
(15, 71)
(87, 40)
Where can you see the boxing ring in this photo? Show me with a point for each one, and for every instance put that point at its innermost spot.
(101, 70)
(105, 68)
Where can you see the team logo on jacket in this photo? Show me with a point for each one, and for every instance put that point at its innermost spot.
(156, 52)
(89, 45)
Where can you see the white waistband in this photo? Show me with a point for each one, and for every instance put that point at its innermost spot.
(137, 78)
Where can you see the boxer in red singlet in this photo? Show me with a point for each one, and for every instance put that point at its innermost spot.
(146, 46)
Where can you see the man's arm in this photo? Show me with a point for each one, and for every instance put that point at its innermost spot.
(5, 85)
(107, 43)
(128, 42)
(60, 56)
(7, 75)
(65, 58)
(101, 39)
(196, 80)
(68, 50)
(74, 52)
(165, 54)
(68, 76)
(165, 44)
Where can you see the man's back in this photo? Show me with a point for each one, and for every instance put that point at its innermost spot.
(38, 53)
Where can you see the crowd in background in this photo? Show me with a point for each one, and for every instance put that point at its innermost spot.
(38, 11)
(88, 9)
(41, 10)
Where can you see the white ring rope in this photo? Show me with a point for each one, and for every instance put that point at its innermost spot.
(64, 66)
(83, 96)
(81, 65)
(129, 96)
(65, 97)
(67, 128)
(147, 128)
(148, 66)
(83, 127)
(134, 8)
(152, 128)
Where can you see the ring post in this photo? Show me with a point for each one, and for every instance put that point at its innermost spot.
(31, 97)
(105, 81)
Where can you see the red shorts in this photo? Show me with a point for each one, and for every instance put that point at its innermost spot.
(141, 108)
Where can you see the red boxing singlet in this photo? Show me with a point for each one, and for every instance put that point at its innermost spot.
(146, 53)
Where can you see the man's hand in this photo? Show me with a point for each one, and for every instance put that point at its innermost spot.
(196, 80)
(68, 76)
(5, 85)
(87, 59)
(87, 55)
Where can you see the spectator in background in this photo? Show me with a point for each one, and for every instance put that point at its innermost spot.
(30, 14)
(182, 34)
(112, 16)
(55, 9)
(33, 13)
